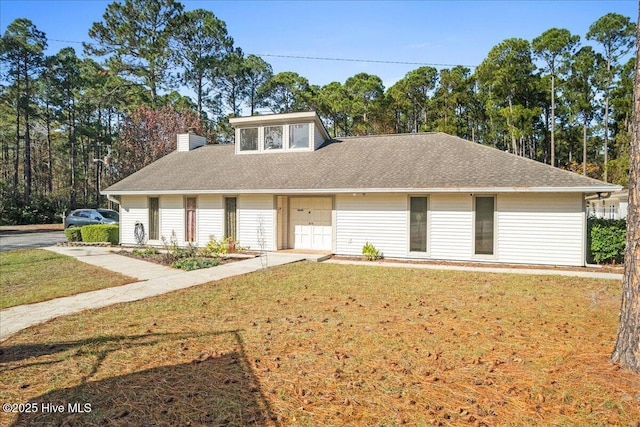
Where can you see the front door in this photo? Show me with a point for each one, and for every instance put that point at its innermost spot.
(310, 223)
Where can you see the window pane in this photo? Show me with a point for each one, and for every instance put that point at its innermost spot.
(190, 216)
(230, 217)
(299, 136)
(154, 218)
(273, 138)
(484, 225)
(418, 226)
(249, 139)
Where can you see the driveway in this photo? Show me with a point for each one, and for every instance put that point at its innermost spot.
(19, 239)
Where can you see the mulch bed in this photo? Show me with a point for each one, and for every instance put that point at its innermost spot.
(609, 268)
(163, 259)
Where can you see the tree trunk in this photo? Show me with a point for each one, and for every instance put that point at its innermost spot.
(553, 120)
(584, 147)
(27, 140)
(627, 348)
(49, 153)
(606, 119)
(514, 143)
(16, 154)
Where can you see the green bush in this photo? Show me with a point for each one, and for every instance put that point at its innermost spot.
(189, 264)
(101, 233)
(607, 239)
(74, 234)
(221, 247)
(370, 252)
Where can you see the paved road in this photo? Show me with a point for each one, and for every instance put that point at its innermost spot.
(10, 241)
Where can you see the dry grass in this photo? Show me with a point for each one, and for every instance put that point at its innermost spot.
(34, 275)
(314, 344)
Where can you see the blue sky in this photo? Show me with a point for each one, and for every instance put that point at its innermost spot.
(432, 32)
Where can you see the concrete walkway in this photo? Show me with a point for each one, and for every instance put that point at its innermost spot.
(534, 271)
(154, 280)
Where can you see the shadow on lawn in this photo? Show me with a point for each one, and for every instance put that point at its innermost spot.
(27, 351)
(214, 389)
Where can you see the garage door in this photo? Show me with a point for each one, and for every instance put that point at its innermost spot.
(310, 223)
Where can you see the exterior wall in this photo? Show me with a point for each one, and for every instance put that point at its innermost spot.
(540, 229)
(256, 215)
(451, 226)
(530, 228)
(316, 136)
(210, 218)
(380, 219)
(172, 218)
(132, 209)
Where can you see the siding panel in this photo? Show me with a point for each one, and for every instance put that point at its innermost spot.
(256, 212)
(172, 218)
(210, 218)
(318, 139)
(540, 229)
(378, 219)
(132, 209)
(450, 227)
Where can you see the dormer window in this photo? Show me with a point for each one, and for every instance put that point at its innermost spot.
(299, 136)
(249, 139)
(278, 133)
(273, 136)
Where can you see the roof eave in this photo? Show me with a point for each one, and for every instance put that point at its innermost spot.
(471, 190)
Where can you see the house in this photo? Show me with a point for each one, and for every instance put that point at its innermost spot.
(285, 184)
(608, 205)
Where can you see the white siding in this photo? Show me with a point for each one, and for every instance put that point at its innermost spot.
(540, 229)
(451, 226)
(189, 141)
(210, 218)
(256, 212)
(132, 209)
(172, 218)
(378, 219)
(318, 139)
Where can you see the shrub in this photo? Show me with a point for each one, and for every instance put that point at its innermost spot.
(221, 247)
(101, 233)
(74, 234)
(370, 252)
(607, 239)
(189, 264)
(151, 251)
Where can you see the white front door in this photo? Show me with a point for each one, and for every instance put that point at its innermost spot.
(310, 220)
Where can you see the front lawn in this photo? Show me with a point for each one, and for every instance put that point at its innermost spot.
(323, 344)
(34, 275)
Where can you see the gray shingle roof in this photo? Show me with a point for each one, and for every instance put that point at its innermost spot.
(431, 162)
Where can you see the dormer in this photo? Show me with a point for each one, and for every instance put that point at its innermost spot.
(274, 133)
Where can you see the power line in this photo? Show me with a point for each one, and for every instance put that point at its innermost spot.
(375, 61)
(321, 58)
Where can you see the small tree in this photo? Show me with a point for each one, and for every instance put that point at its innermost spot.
(149, 134)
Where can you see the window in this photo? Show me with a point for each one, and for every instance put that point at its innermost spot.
(484, 225)
(230, 217)
(418, 224)
(154, 218)
(299, 136)
(273, 138)
(190, 219)
(249, 139)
